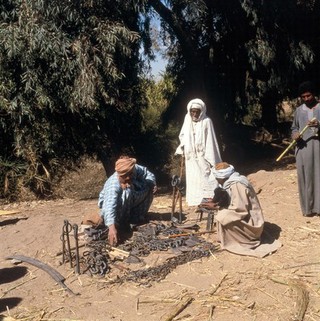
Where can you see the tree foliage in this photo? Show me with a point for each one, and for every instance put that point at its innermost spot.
(71, 80)
(157, 140)
(68, 81)
(237, 54)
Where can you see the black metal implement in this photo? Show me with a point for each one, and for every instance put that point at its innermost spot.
(75, 234)
(65, 238)
(210, 217)
(176, 196)
(51, 271)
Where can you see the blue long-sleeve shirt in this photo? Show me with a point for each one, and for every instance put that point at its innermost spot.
(114, 201)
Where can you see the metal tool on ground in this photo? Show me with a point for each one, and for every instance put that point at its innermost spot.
(159, 272)
(50, 270)
(210, 217)
(176, 183)
(189, 234)
(72, 249)
(65, 238)
(75, 234)
(94, 259)
(294, 142)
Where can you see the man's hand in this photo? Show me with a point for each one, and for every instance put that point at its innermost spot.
(296, 136)
(313, 123)
(112, 235)
(210, 205)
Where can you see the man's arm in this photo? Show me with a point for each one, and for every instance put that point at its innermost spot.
(108, 204)
(144, 174)
(295, 128)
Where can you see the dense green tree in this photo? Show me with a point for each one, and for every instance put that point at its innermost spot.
(237, 54)
(71, 85)
(159, 139)
(68, 83)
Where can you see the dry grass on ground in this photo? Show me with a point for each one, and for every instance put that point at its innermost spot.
(222, 287)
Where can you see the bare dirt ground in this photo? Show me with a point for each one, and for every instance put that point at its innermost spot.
(221, 287)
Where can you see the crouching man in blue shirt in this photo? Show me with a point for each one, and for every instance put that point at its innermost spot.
(126, 196)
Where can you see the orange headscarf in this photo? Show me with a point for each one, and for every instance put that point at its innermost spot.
(125, 165)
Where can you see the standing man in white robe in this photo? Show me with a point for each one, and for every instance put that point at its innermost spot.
(199, 146)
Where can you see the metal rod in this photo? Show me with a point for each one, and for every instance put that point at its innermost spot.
(66, 230)
(75, 234)
(173, 201)
(180, 204)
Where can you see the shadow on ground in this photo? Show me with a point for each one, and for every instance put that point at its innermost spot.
(8, 304)
(11, 274)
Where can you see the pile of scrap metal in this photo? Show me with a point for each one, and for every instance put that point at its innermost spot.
(158, 237)
(94, 258)
(97, 256)
(158, 273)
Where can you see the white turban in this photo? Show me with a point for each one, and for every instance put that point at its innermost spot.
(223, 172)
(197, 104)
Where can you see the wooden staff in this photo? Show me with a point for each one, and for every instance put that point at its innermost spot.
(294, 142)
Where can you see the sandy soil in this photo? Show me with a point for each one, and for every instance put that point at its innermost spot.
(222, 287)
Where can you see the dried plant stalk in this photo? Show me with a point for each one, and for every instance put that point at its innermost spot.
(179, 309)
(302, 299)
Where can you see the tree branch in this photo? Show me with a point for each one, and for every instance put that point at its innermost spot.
(184, 38)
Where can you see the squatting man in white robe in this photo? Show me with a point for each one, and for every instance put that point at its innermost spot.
(240, 223)
(198, 144)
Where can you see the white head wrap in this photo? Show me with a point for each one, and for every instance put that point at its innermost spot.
(197, 104)
(223, 173)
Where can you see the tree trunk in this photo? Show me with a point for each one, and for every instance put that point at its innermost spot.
(269, 104)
